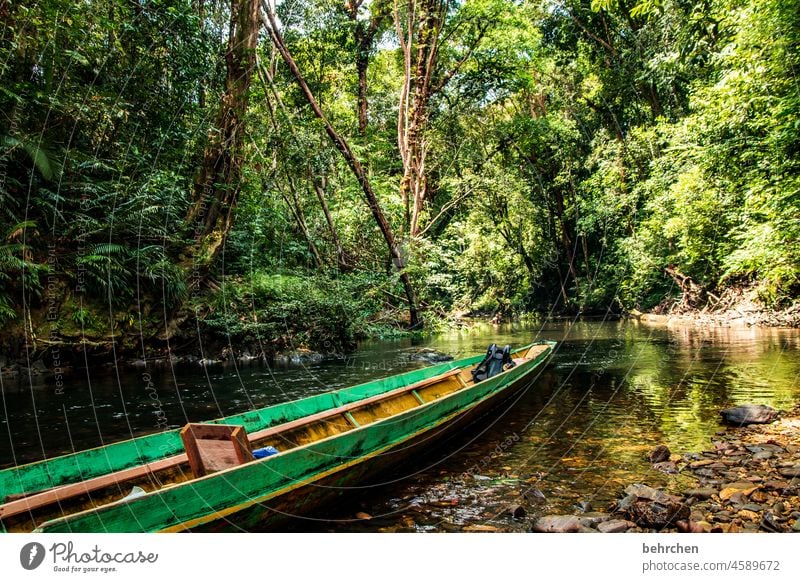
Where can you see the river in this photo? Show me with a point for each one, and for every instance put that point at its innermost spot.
(576, 437)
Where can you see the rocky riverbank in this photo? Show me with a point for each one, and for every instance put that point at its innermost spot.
(736, 307)
(747, 481)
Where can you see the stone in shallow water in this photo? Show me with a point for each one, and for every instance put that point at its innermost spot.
(702, 493)
(666, 467)
(593, 519)
(557, 524)
(651, 508)
(660, 454)
(790, 471)
(749, 414)
(614, 526)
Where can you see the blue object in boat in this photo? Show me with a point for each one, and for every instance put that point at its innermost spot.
(265, 452)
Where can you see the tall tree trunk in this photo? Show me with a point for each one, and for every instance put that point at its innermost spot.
(355, 166)
(362, 62)
(219, 183)
(417, 89)
(364, 32)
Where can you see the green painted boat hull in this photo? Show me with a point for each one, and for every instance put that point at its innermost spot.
(262, 494)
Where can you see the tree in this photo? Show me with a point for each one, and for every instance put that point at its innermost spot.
(220, 179)
(353, 163)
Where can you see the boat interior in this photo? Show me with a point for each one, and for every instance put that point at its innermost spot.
(214, 447)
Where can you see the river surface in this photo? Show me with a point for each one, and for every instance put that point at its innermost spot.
(611, 392)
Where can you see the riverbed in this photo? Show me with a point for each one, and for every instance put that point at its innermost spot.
(572, 441)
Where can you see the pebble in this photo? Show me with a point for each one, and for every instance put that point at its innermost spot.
(593, 519)
(702, 493)
(791, 472)
(614, 526)
(557, 524)
(363, 515)
(666, 467)
(517, 511)
(481, 528)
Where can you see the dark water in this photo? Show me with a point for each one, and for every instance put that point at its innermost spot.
(612, 392)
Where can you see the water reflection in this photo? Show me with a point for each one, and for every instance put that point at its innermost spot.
(613, 391)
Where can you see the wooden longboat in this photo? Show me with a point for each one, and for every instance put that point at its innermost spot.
(204, 478)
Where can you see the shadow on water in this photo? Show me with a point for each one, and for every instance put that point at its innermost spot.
(578, 435)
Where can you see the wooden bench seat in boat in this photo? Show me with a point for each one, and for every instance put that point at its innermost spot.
(215, 447)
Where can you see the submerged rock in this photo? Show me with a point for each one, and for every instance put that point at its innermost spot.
(749, 414)
(517, 511)
(700, 493)
(659, 454)
(430, 355)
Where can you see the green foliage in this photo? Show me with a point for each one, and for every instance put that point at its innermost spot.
(286, 310)
(574, 151)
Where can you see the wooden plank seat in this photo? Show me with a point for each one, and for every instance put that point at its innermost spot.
(57, 494)
(215, 447)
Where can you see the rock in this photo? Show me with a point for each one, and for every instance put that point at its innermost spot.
(593, 519)
(749, 414)
(429, 355)
(689, 526)
(762, 455)
(614, 526)
(752, 507)
(790, 472)
(660, 454)
(583, 506)
(749, 515)
(534, 495)
(646, 492)
(557, 524)
(481, 528)
(779, 508)
(733, 488)
(702, 493)
(651, 508)
(702, 463)
(363, 515)
(776, 485)
(666, 467)
(768, 523)
(39, 367)
(517, 511)
(738, 498)
(796, 526)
